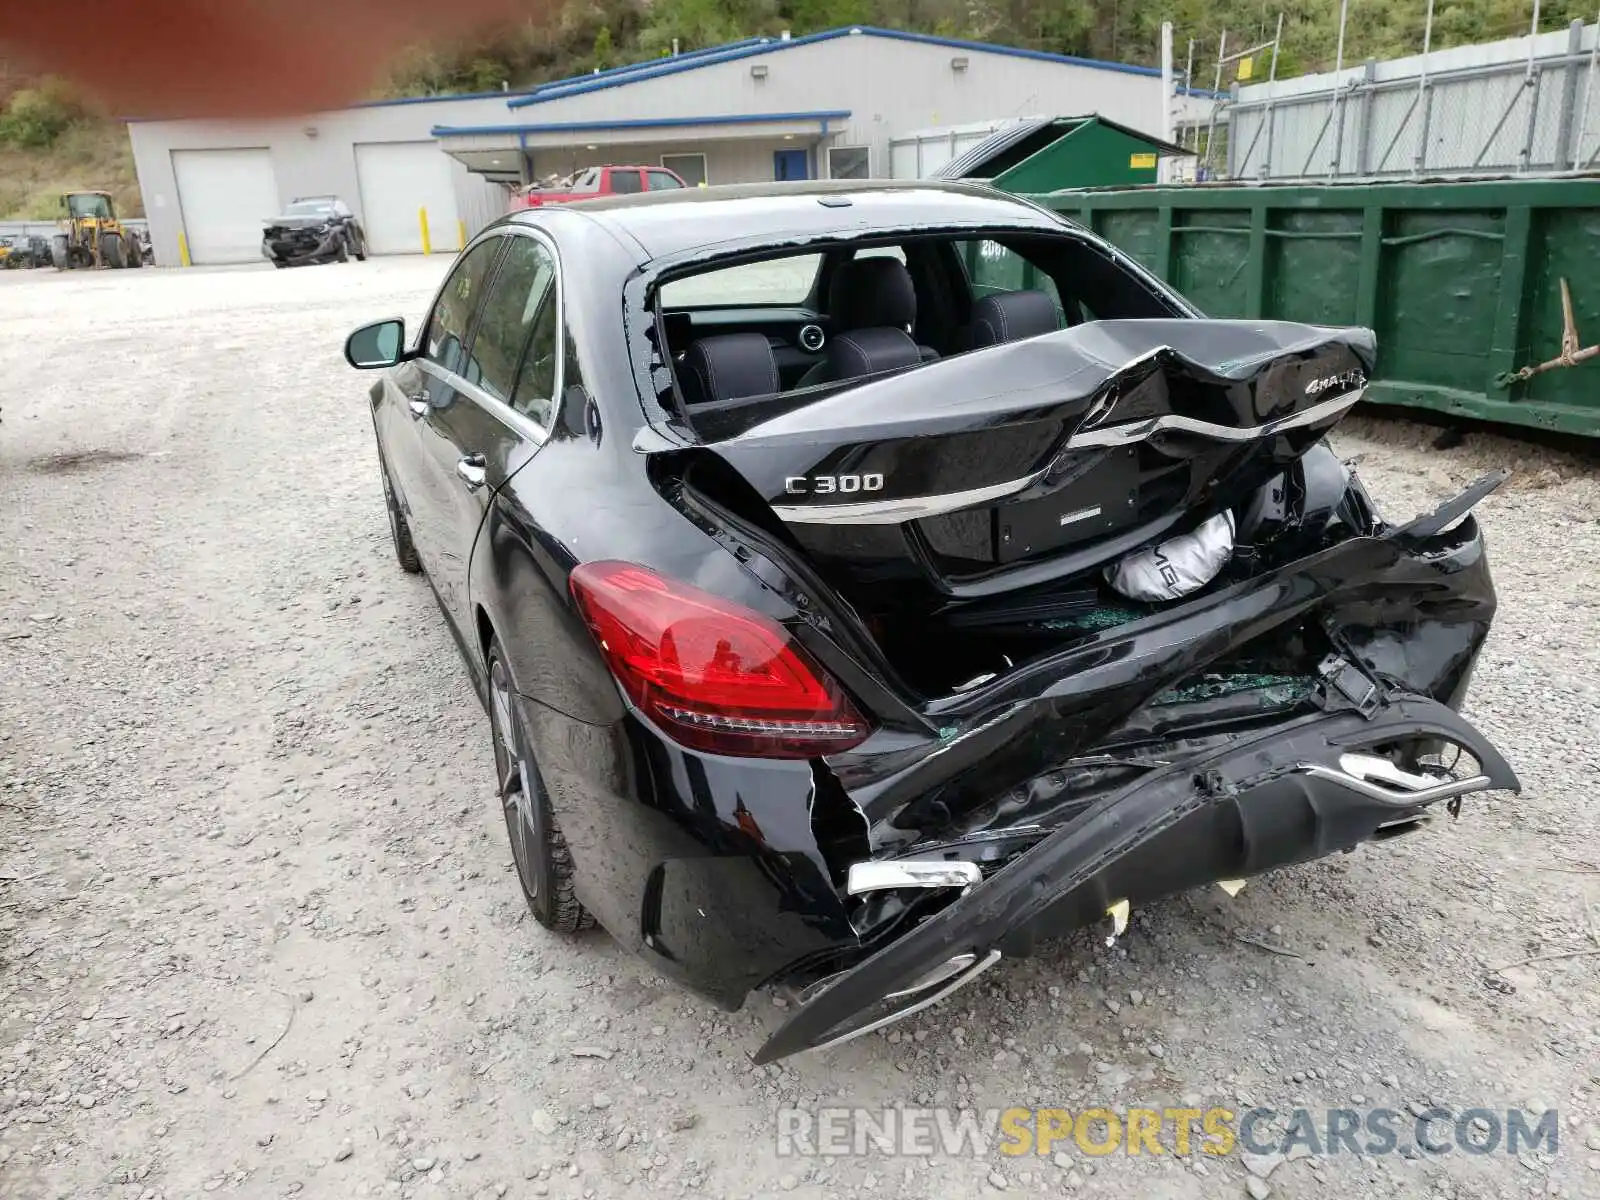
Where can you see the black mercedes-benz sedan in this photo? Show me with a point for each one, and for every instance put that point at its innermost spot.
(313, 229)
(864, 581)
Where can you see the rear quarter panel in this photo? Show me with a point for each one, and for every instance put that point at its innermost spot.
(636, 811)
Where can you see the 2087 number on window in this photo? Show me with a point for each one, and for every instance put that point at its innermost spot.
(829, 485)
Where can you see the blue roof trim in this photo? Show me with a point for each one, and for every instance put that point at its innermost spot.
(629, 68)
(551, 83)
(438, 99)
(710, 56)
(734, 51)
(446, 131)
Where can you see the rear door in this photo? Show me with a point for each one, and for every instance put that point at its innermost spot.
(499, 414)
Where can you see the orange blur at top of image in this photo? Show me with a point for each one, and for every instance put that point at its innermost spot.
(228, 58)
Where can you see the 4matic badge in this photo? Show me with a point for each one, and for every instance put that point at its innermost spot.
(830, 485)
(1345, 381)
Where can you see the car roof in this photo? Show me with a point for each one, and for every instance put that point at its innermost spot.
(681, 220)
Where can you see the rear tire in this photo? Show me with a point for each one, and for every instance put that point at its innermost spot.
(405, 550)
(111, 251)
(538, 849)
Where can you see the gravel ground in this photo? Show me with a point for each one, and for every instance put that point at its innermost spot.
(260, 934)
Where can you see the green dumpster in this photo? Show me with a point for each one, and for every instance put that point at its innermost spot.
(1049, 153)
(1461, 280)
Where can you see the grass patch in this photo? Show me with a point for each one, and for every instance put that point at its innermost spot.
(90, 154)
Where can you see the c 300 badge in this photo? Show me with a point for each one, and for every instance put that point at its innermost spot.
(829, 485)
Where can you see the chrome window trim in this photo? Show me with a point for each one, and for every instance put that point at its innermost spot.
(521, 422)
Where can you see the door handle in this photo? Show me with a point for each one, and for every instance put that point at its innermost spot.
(418, 407)
(473, 471)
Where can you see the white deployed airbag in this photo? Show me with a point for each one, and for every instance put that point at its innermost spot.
(1177, 566)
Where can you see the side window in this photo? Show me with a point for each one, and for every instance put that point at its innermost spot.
(521, 302)
(661, 181)
(535, 394)
(445, 341)
(625, 182)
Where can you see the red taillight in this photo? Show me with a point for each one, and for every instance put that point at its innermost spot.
(714, 675)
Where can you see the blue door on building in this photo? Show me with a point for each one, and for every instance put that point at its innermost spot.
(789, 164)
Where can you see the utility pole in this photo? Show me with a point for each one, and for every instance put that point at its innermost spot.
(1424, 96)
(1272, 79)
(1168, 97)
(1188, 86)
(1338, 92)
(1211, 126)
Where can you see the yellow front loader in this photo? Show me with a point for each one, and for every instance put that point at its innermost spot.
(90, 235)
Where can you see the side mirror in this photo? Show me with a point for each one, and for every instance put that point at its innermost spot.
(377, 345)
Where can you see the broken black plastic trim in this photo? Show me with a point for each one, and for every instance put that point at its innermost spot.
(1433, 524)
(1249, 806)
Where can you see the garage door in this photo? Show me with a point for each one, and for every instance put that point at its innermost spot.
(225, 196)
(397, 180)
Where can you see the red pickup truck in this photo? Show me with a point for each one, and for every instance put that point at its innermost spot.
(600, 181)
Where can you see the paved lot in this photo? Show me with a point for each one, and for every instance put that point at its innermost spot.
(259, 933)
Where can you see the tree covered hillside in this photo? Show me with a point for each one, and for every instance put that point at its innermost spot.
(52, 138)
(590, 34)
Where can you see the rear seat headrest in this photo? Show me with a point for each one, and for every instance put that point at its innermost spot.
(730, 366)
(866, 293)
(868, 351)
(1009, 316)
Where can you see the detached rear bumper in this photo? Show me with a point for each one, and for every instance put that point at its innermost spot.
(1283, 795)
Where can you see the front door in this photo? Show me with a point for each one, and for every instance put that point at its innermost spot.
(426, 388)
(789, 164)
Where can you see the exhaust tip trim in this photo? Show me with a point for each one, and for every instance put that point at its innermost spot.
(910, 873)
(1381, 780)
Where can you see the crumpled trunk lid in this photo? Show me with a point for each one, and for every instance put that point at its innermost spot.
(1037, 459)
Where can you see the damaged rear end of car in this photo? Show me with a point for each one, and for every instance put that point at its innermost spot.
(1084, 620)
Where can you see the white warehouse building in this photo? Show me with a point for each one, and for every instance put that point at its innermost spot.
(831, 104)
